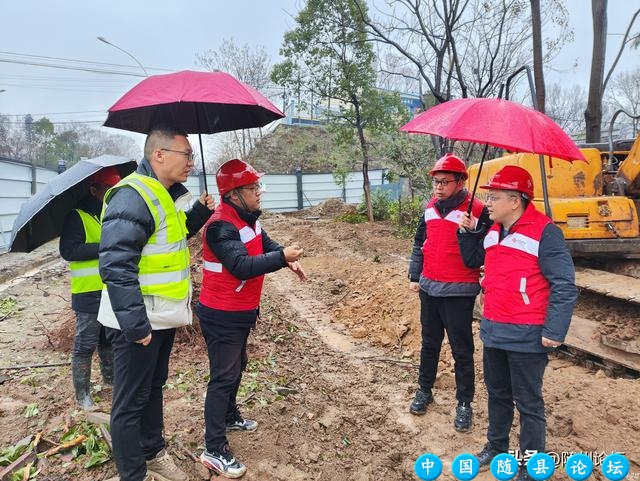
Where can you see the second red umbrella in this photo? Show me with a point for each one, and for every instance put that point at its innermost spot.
(497, 122)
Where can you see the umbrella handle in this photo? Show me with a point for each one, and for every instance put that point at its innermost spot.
(475, 184)
(204, 172)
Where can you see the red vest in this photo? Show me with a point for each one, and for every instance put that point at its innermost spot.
(515, 291)
(442, 261)
(220, 289)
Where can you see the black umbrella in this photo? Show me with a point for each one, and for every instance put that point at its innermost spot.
(41, 217)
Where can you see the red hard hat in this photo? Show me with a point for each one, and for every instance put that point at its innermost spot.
(235, 173)
(450, 163)
(106, 176)
(512, 177)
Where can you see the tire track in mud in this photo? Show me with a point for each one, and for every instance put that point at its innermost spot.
(363, 397)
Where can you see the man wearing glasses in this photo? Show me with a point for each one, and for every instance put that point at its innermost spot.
(447, 288)
(144, 263)
(237, 253)
(529, 295)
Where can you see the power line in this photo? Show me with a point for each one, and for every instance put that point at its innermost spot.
(65, 113)
(57, 122)
(65, 67)
(86, 62)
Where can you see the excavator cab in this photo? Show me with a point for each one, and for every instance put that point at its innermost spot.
(595, 202)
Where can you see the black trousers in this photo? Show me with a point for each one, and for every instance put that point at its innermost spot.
(140, 372)
(515, 377)
(455, 316)
(227, 348)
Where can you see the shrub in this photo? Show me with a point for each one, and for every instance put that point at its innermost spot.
(405, 215)
(380, 203)
(353, 218)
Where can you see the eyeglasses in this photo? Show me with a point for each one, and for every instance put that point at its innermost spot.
(257, 187)
(443, 182)
(189, 155)
(494, 198)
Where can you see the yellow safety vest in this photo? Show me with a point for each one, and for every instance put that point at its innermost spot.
(84, 274)
(164, 263)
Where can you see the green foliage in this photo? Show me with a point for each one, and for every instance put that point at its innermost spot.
(8, 306)
(10, 454)
(94, 450)
(31, 410)
(405, 215)
(381, 203)
(352, 218)
(329, 53)
(19, 475)
(412, 156)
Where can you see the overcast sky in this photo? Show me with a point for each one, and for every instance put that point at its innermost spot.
(169, 35)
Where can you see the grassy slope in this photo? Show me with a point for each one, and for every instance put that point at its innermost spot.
(312, 149)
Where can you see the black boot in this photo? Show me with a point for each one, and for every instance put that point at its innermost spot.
(486, 456)
(420, 402)
(81, 372)
(463, 420)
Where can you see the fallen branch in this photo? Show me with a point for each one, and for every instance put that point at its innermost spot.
(390, 360)
(26, 474)
(33, 366)
(69, 444)
(36, 440)
(45, 331)
(187, 451)
(247, 399)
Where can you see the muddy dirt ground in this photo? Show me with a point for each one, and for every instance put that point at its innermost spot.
(332, 372)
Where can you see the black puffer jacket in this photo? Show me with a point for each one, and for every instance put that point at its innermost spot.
(74, 247)
(126, 228)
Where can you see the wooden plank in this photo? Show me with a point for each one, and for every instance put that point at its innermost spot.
(106, 435)
(21, 462)
(584, 335)
(97, 417)
(608, 284)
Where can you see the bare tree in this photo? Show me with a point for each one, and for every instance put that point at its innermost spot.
(538, 71)
(624, 93)
(463, 48)
(50, 142)
(598, 81)
(251, 65)
(94, 142)
(593, 112)
(565, 105)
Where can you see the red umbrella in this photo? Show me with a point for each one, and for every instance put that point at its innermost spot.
(500, 123)
(496, 122)
(196, 102)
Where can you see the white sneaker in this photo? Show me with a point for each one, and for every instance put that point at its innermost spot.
(223, 462)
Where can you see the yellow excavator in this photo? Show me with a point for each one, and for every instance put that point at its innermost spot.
(596, 204)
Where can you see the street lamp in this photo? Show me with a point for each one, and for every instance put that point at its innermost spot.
(104, 40)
